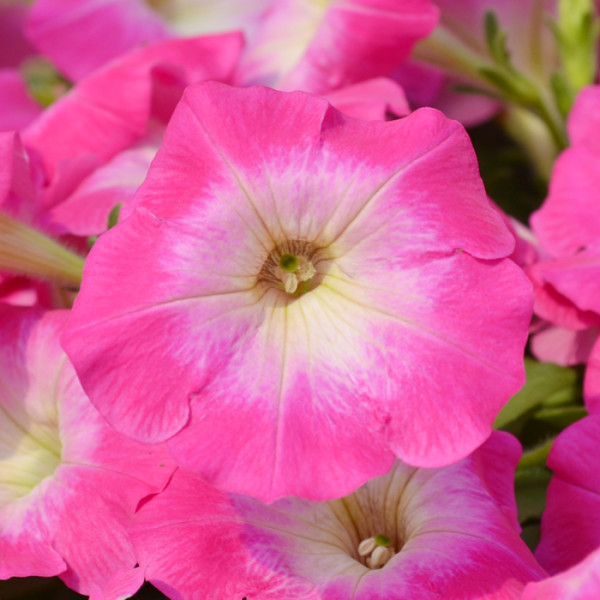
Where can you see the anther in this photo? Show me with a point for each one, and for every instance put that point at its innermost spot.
(377, 551)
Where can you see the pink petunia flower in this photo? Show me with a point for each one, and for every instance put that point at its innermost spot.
(566, 280)
(74, 34)
(410, 534)
(318, 46)
(69, 484)
(571, 521)
(91, 149)
(299, 297)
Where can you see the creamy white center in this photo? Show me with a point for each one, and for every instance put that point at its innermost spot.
(29, 452)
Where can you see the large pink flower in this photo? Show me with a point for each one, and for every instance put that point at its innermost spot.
(300, 297)
(69, 484)
(411, 534)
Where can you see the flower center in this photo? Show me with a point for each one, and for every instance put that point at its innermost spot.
(29, 452)
(291, 267)
(376, 551)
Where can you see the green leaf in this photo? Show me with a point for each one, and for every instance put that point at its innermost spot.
(536, 457)
(531, 485)
(544, 382)
(561, 417)
(514, 86)
(531, 534)
(576, 32)
(563, 94)
(113, 216)
(495, 38)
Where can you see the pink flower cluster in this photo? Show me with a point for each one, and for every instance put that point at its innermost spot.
(258, 315)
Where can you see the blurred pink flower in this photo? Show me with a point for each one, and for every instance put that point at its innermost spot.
(91, 149)
(457, 49)
(318, 46)
(571, 521)
(413, 533)
(567, 277)
(299, 297)
(69, 484)
(74, 34)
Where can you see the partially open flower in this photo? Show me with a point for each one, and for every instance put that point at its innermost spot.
(413, 533)
(299, 297)
(69, 484)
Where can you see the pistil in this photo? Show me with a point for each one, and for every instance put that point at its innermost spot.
(294, 269)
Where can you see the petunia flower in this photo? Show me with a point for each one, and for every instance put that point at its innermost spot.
(300, 297)
(91, 149)
(571, 521)
(566, 279)
(73, 34)
(410, 534)
(318, 46)
(69, 484)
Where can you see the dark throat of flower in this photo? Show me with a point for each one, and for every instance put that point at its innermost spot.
(292, 267)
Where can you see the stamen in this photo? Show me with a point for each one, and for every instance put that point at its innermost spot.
(377, 550)
(367, 546)
(379, 557)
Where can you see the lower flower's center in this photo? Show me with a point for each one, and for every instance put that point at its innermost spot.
(376, 551)
(291, 266)
(29, 452)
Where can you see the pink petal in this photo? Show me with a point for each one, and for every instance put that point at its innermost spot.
(108, 111)
(563, 346)
(81, 508)
(74, 34)
(571, 521)
(323, 48)
(581, 582)
(569, 221)
(584, 118)
(14, 46)
(17, 109)
(85, 212)
(551, 305)
(371, 100)
(457, 540)
(577, 278)
(591, 384)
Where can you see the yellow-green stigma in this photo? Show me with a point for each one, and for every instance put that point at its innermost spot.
(289, 263)
(383, 540)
